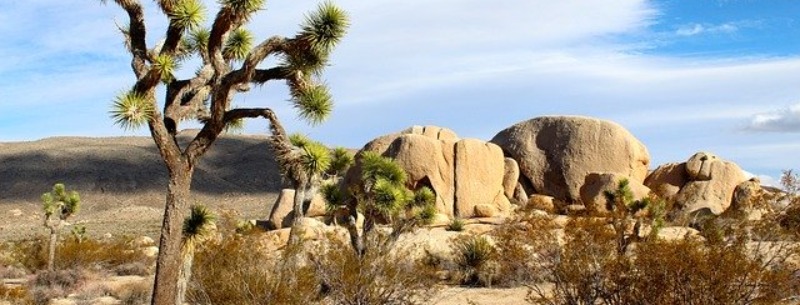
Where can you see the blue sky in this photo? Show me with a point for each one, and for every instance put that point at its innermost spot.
(683, 76)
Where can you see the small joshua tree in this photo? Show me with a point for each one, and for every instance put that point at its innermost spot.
(58, 206)
(197, 227)
(382, 196)
(627, 217)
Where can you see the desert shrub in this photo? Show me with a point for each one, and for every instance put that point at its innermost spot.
(134, 293)
(75, 253)
(383, 275)
(47, 284)
(12, 272)
(233, 271)
(474, 258)
(99, 254)
(588, 269)
(456, 224)
(520, 244)
(15, 295)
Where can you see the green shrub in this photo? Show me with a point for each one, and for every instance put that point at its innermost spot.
(456, 224)
(474, 258)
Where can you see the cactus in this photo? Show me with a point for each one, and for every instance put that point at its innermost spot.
(58, 205)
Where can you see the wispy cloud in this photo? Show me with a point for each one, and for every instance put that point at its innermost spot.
(693, 29)
(784, 120)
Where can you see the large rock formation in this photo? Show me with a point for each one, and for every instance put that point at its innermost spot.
(555, 153)
(463, 173)
(704, 183)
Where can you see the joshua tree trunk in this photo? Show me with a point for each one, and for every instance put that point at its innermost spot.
(299, 199)
(185, 275)
(51, 255)
(168, 264)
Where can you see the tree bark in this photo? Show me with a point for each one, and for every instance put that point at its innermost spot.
(299, 199)
(185, 275)
(169, 262)
(51, 255)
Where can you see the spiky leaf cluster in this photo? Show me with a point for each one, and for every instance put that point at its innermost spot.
(166, 66)
(60, 203)
(375, 167)
(313, 103)
(341, 160)
(198, 225)
(131, 110)
(322, 30)
(188, 14)
(238, 44)
(334, 197)
(325, 27)
(621, 198)
(316, 157)
(388, 198)
(197, 41)
(243, 7)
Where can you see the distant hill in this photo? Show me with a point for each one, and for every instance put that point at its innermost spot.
(129, 169)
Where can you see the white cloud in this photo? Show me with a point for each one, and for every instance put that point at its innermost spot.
(784, 120)
(692, 29)
(474, 66)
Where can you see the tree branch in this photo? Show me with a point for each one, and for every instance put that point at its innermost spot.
(262, 76)
(136, 34)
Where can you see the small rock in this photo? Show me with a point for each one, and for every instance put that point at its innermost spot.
(151, 251)
(486, 210)
(542, 203)
(15, 212)
(108, 236)
(143, 241)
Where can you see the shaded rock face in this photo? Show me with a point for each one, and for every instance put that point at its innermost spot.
(510, 177)
(596, 184)
(282, 213)
(556, 153)
(704, 182)
(668, 179)
(463, 173)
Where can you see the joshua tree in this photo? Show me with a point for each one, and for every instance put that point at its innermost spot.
(382, 196)
(197, 227)
(230, 64)
(302, 162)
(58, 205)
(627, 215)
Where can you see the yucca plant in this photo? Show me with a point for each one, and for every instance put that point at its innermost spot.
(58, 206)
(197, 227)
(231, 61)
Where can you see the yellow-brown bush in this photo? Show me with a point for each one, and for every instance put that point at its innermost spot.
(383, 275)
(231, 271)
(588, 269)
(87, 254)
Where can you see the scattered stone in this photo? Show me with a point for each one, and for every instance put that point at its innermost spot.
(15, 212)
(486, 210)
(151, 251)
(542, 203)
